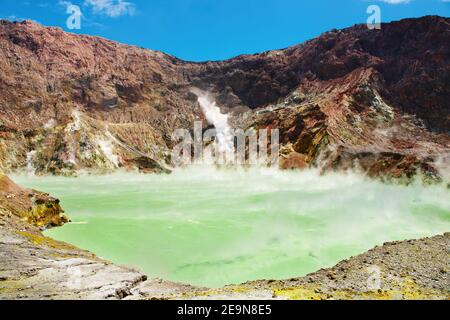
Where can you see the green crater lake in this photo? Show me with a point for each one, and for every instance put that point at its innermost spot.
(211, 227)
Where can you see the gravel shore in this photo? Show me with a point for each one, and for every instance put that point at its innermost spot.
(33, 266)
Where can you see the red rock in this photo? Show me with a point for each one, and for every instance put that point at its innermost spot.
(348, 98)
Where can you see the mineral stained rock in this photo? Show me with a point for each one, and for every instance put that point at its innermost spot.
(37, 208)
(375, 100)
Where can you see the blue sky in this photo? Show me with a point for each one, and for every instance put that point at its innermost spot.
(201, 30)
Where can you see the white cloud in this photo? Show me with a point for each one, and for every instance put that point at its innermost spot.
(64, 3)
(111, 8)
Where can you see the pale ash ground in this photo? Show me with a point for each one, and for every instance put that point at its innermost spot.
(35, 267)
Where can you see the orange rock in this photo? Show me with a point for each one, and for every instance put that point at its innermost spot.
(294, 161)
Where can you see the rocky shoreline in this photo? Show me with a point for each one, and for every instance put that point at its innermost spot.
(33, 266)
(403, 270)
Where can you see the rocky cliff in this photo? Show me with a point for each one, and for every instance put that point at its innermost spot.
(376, 100)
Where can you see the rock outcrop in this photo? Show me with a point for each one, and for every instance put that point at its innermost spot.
(376, 100)
(34, 207)
(33, 266)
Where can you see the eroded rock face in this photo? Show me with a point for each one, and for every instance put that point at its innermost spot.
(375, 100)
(34, 207)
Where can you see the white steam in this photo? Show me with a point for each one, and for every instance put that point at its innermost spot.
(213, 227)
(219, 120)
(30, 163)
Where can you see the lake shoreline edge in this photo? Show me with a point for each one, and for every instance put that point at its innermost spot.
(37, 267)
